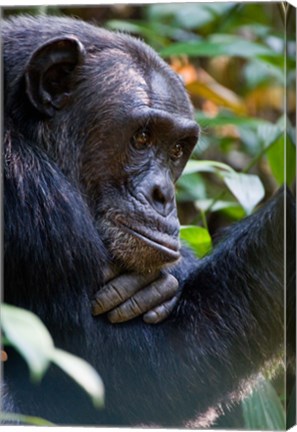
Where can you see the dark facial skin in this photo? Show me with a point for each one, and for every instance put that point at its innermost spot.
(137, 208)
(131, 150)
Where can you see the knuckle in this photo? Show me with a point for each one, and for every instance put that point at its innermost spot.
(134, 306)
(148, 297)
(128, 310)
(170, 284)
(99, 301)
(172, 280)
(116, 292)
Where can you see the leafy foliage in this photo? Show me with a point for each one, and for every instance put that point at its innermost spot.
(29, 336)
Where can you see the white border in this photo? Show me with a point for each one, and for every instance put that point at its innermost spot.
(109, 3)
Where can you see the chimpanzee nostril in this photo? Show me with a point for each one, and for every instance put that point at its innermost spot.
(158, 195)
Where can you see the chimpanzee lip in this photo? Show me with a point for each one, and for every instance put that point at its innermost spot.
(170, 249)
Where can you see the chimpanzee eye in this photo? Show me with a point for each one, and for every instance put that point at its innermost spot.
(176, 151)
(141, 140)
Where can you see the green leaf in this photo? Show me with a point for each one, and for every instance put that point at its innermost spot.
(197, 238)
(215, 205)
(258, 72)
(24, 419)
(269, 133)
(190, 187)
(263, 410)
(83, 373)
(224, 118)
(174, 14)
(190, 16)
(247, 188)
(137, 27)
(206, 166)
(229, 208)
(220, 45)
(29, 336)
(276, 158)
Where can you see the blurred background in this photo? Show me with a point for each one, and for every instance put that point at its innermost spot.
(238, 64)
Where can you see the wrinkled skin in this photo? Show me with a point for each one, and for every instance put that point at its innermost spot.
(131, 295)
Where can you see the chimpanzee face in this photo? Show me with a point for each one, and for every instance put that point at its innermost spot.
(138, 133)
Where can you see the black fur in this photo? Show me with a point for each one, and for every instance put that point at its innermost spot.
(228, 324)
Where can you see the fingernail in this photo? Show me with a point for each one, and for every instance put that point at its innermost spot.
(95, 308)
(150, 317)
(113, 317)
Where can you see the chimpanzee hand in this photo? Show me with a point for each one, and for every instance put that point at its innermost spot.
(129, 295)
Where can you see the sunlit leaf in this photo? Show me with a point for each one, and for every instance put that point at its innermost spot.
(197, 238)
(218, 94)
(268, 133)
(268, 96)
(29, 336)
(247, 188)
(276, 158)
(233, 212)
(214, 205)
(80, 371)
(263, 409)
(206, 166)
(200, 83)
(7, 417)
(229, 208)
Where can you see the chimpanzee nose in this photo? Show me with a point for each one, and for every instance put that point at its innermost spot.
(160, 194)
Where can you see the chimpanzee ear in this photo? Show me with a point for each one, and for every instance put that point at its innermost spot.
(48, 73)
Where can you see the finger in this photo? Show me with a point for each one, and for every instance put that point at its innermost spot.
(161, 312)
(118, 291)
(148, 298)
(110, 272)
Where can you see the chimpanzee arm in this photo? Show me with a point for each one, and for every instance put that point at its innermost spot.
(227, 326)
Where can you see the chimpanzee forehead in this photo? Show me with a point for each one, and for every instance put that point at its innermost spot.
(126, 82)
(167, 92)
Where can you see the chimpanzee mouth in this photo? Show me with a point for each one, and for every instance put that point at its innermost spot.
(170, 248)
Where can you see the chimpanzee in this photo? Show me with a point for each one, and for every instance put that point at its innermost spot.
(97, 129)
